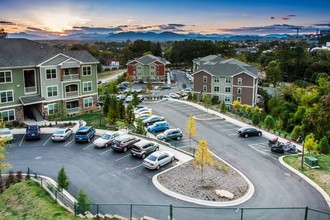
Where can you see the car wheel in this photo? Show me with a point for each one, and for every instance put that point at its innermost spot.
(246, 135)
(173, 158)
(143, 156)
(88, 139)
(259, 134)
(178, 138)
(157, 149)
(125, 149)
(106, 145)
(158, 167)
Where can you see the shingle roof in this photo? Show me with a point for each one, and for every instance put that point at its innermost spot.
(209, 58)
(23, 52)
(29, 100)
(147, 59)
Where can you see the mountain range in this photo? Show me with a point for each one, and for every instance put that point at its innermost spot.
(150, 36)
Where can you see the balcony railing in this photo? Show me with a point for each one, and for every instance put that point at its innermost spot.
(30, 89)
(70, 77)
(73, 110)
(71, 94)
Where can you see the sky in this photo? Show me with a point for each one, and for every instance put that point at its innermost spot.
(65, 17)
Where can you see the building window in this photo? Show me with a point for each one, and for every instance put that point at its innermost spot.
(216, 79)
(52, 91)
(50, 73)
(8, 115)
(239, 81)
(52, 109)
(87, 70)
(228, 79)
(239, 90)
(227, 89)
(216, 89)
(239, 99)
(88, 102)
(5, 77)
(205, 79)
(7, 96)
(152, 67)
(227, 98)
(139, 67)
(204, 88)
(87, 86)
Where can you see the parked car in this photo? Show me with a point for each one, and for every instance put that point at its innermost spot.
(248, 131)
(120, 97)
(124, 142)
(6, 135)
(143, 148)
(122, 87)
(136, 111)
(171, 134)
(174, 95)
(158, 159)
(164, 87)
(143, 116)
(129, 98)
(138, 107)
(149, 112)
(32, 132)
(106, 139)
(61, 134)
(152, 119)
(158, 126)
(84, 134)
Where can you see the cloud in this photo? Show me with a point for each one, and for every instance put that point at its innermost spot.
(247, 15)
(292, 15)
(276, 28)
(96, 29)
(271, 17)
(284, 18)
(7, 23)
(170, 26)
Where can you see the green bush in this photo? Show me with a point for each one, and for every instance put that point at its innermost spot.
(255, 119)
(324, 146)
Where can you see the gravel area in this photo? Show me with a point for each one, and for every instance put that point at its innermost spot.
(186, 180)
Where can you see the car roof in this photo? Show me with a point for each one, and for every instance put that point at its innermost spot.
(159, 153)
(111, 132)
(33, 126)
(142, 142)
(174, 129)
(123, 137)
(160, 122)
(61, 129)
(84, 128)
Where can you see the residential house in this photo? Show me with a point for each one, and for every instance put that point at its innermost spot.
(228, 79)
(36, 78)
(147, 67)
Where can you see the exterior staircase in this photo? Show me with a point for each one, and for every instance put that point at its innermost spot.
(36, 113)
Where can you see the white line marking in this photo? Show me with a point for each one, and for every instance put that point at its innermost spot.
(262, 152)
(229, 129)
(69, 143)
(136, 166)
(123, 157)
(88, 146)
(21, 140)
(105, 151)
(46, 141)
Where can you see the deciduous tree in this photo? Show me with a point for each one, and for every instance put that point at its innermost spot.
(191, 128)
(311, 144)
(203, 157)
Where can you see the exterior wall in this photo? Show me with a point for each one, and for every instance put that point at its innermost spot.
(131, 68)
(248, 89)
(19, 113)
(50, 82)
(55, 61)
(222, 93)
(199, 83)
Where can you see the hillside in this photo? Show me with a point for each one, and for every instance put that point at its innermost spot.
(26, 200)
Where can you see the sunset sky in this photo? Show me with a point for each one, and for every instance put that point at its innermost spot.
(60, 17)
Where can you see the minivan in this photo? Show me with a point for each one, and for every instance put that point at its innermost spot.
(158, 126)
(84, 134)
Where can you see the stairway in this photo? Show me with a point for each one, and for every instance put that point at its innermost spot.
(36, 113)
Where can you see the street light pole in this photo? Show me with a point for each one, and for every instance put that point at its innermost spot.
(301, 140)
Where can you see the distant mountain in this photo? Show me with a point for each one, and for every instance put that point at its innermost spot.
(150, 36)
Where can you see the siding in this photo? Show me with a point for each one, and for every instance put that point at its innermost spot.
(248, 91)
(199, 83)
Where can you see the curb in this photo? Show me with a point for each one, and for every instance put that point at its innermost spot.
(308, 180)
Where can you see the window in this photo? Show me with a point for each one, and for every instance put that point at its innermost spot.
(7, 96)
(239, 99)
(50, 73)
(139, 67)
(227, 98)
(5, 77)
(87, 71)
(204, 88)
(52, 91)
(70, 71)
(152, 67)
(88, 102)
(239, 81)
(228, 79)
(204, 78)
(216, 79)
(239, 90)
(216, 89)
(227, 89)
(52, 108)
(8, 115)
(87, 86)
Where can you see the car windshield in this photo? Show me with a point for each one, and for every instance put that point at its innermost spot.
(33, 130)
(59, 132)
(152, 158)
(106, 136)
(81, 133)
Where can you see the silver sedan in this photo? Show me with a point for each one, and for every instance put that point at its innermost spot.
(61, 134)
(158, 159)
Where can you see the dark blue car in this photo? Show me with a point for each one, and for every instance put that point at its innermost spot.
(32, 132)
(85, 134)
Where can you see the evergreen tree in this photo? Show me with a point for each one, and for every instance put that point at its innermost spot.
(63, 181)
(121, 109)
(83, 203)
(130, 117)
(324, 146)
(255, 118)
(269, 122)
(135, 101)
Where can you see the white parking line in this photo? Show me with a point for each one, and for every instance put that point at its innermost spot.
(136, 166)
(123, 157)
(229, 129)
(69, 143)
(266, 153)
(105, 151)
(46, 141)
(21, 140)
(88, 146)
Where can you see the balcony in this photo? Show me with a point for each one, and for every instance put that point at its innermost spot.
(30, 89)
(73, 110)
(71, 94)
(70, 77)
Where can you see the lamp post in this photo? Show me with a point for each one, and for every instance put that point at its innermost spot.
(300, 140)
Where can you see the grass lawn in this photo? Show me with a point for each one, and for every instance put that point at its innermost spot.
(92, 119)
(106, 74)
(27, 200)
(320, 176)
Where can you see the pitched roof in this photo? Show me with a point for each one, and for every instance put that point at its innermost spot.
(209, 58)
(23, 52)
(147, 59)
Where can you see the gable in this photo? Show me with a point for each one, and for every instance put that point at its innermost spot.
(56, 60)
(70, 63)
(203, 72)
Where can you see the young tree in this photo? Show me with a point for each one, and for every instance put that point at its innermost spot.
(83, 201)
(296, 132)
(149, 86)
(203, 157)
(121, 109)
(324, 146)
(237, 105)
(310, 143)
(194, 97)
(60, 112)
(269, 122)
(223, 108)
(113, 110)
(191, 128)
(207, 102)
(63, 181)
(135, 101)
(255, 118)
(278, 125)
(106, 105)
(140, 128)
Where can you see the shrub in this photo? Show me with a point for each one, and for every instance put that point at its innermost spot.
(296, 132)
(324, 146)
(255, 119)
(214, 100)
(225, 168)
(11, 179)
(19, 176)
(82, 202)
